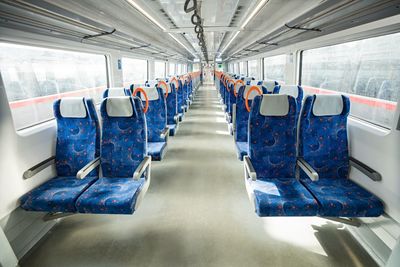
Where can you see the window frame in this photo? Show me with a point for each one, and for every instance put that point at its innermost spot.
(107, 57)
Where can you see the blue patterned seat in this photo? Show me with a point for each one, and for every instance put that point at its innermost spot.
(293, 90)
(156, 118)
(323, 145)
(242, 119)
(123, 149)
(181, 99)
(272, 154)
(77, 144)
(172, 108)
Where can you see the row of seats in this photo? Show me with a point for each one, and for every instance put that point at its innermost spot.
(297, 161)
(107, 171)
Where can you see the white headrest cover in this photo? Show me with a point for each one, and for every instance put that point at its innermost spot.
(247, 79)
(254, 82)
(116, 91)
(152, 83)
(138, 85)
(270, 85)
(274, 105)
(291, 90)
(119, 106)
(73, 107)
(253, 93)
(152, 93)
(328, 105)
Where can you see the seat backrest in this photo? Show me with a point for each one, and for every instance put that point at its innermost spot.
(270, 86)
(78, 135)
(293, 90)
(242, 115)
(133, 87)
(272, 136)
(248, 80)
(172, 103)
(156, 115)
(116, 91)
(181, 96)
(323, 135)
(124, 137)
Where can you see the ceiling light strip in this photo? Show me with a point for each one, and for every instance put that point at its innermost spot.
(147, 15)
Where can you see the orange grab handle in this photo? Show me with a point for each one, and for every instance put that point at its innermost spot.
(253, 88)
(234, 88)
(229, 81)
(176, 83)
(166, 87)
(139, 89)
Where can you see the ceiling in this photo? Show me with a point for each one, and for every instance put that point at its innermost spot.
(160, 28)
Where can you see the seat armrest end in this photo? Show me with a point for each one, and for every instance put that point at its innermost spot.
(39, 167)
(311, 173)
(82, 173)
(143, 166)
(249, 170)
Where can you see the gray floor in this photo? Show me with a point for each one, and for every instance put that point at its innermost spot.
(196, 213)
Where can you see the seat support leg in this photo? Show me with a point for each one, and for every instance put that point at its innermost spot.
(55, 215)
(349, 221)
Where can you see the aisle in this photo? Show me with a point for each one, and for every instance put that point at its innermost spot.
(197, 213)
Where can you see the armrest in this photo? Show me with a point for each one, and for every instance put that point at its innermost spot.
(165, 132)
(145, 164)
(82, 173)
(176, 119)
(311, 173)
(249, 169)
(39, 167)
(368, 171)
(234, 118)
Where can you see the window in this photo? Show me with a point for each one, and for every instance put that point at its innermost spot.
(134, 71)
(230, 68)
(34, 77)
(253, 69)
(274, 68)
(243, 68)
(159, 69)
(179, 71)
(196, 67)
(184, 68)
(171, 69)
(367, 70)
(236, 68)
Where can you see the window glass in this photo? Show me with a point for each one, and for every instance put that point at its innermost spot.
(274, 68)
(236, 68)
(243, 68)
(134, 71)
(34, 77)
(184, 68)
(368, 71)
(253, 69)
(179, 71)
(159, 69)
(196, 67)
(171, 70)
(230, 68)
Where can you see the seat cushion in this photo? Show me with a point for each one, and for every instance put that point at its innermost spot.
(156, 150)
(242, 149)
(344, 198)
(282, 197)
(110, 196)
(56, 195)
(173, 128)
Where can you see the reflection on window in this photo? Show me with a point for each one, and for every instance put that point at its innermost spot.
(367, 70)
(243, 68)
(34, 77)
(274, 68)
(159, 69)
(134, 71)
(184, 68)
(253, 69)
(171, 69)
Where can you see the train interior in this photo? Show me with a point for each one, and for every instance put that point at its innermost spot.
(199, 133)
